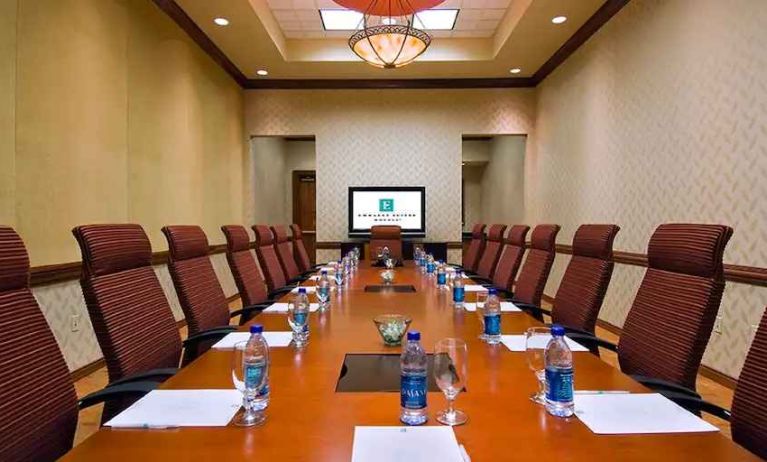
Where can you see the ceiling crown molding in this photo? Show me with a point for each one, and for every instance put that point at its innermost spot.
(589, 28)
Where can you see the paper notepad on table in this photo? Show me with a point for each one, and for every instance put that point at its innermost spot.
(180, 408)
(283, 308)
(273, 339)
(625, 414)
(309, 289)
(518, 343)
(506, 307)
(405, 444)
(474, 288)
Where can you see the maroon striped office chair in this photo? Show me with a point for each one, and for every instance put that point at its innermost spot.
(386, 236)
(285, 254)
(670, 322)
(491, 253)
(584, 284)
(299, 250)
(200, 294)
(269, 261)
(245, 271)
(748, 417)
(476, 247)
(510, 259)
(37, 398)
(528, 289)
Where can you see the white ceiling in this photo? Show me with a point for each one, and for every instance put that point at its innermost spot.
(300, 19)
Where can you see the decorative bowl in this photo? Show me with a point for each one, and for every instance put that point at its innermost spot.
(387, 277)
(392, 327)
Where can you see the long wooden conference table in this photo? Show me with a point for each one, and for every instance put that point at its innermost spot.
(309, 421)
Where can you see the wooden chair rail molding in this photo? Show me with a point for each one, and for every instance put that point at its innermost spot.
(752, 275)
(60, 272)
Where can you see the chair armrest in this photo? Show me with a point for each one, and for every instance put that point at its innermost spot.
(277, 293)
(154, 375)
(660, 385)
(115, 392)
(482, 281)
(247, 312)
(697, 405)
(590, 341)
(210, 334)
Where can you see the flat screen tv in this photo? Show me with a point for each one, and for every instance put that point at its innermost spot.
(404, 206)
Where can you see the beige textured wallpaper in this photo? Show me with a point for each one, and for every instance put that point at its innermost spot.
(386, 137)
(662, 117)
(503, 181)
(119, 117)
(268, 158)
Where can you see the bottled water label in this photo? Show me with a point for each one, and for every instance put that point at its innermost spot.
(559, 384)
(458, 294)
(323, 292)
(441, 279)
(299, 318)
(493, 324)
(253, 374)
(413, 391)
(430, 268)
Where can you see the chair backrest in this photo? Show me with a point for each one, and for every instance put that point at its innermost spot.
(486, 266)
(284, 252)
(535, 271)
(749, 408)
(199, 292)
(246, 274)
(584, 284)
(132, 319)
(476, 246)
(299, 249)
(670, 322)
(511, 257)
(267, 258)
(37, 399)
(386, 236)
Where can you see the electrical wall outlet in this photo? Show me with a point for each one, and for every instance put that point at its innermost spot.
(75, 322)
(718, 325)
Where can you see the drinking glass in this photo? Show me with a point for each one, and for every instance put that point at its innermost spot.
(481, 316)
(534, 339)
(255, 374)
(389, 263)
(450, 369)
(297, 322)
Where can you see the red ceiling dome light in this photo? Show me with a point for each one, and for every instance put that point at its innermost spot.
(387, 36)
(389, 7)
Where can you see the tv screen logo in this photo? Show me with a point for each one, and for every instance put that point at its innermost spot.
(385, 205)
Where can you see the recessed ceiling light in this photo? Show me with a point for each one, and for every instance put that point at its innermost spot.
(516, 70)
(559, 19)
(221, 21)
(262, 72)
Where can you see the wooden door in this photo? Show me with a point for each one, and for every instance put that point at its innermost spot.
(305, 207)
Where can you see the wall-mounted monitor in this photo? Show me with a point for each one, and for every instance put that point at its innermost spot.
(404, 206)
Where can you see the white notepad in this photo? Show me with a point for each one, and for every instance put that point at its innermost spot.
(625, 414)
(506, 307)
(517, 342)
(273, 339)
(474, 288)
(180, 408)
(309, 289)
(283, 308)
(316, 277)
(405, 444)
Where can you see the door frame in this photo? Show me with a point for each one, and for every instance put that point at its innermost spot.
(295, 175)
